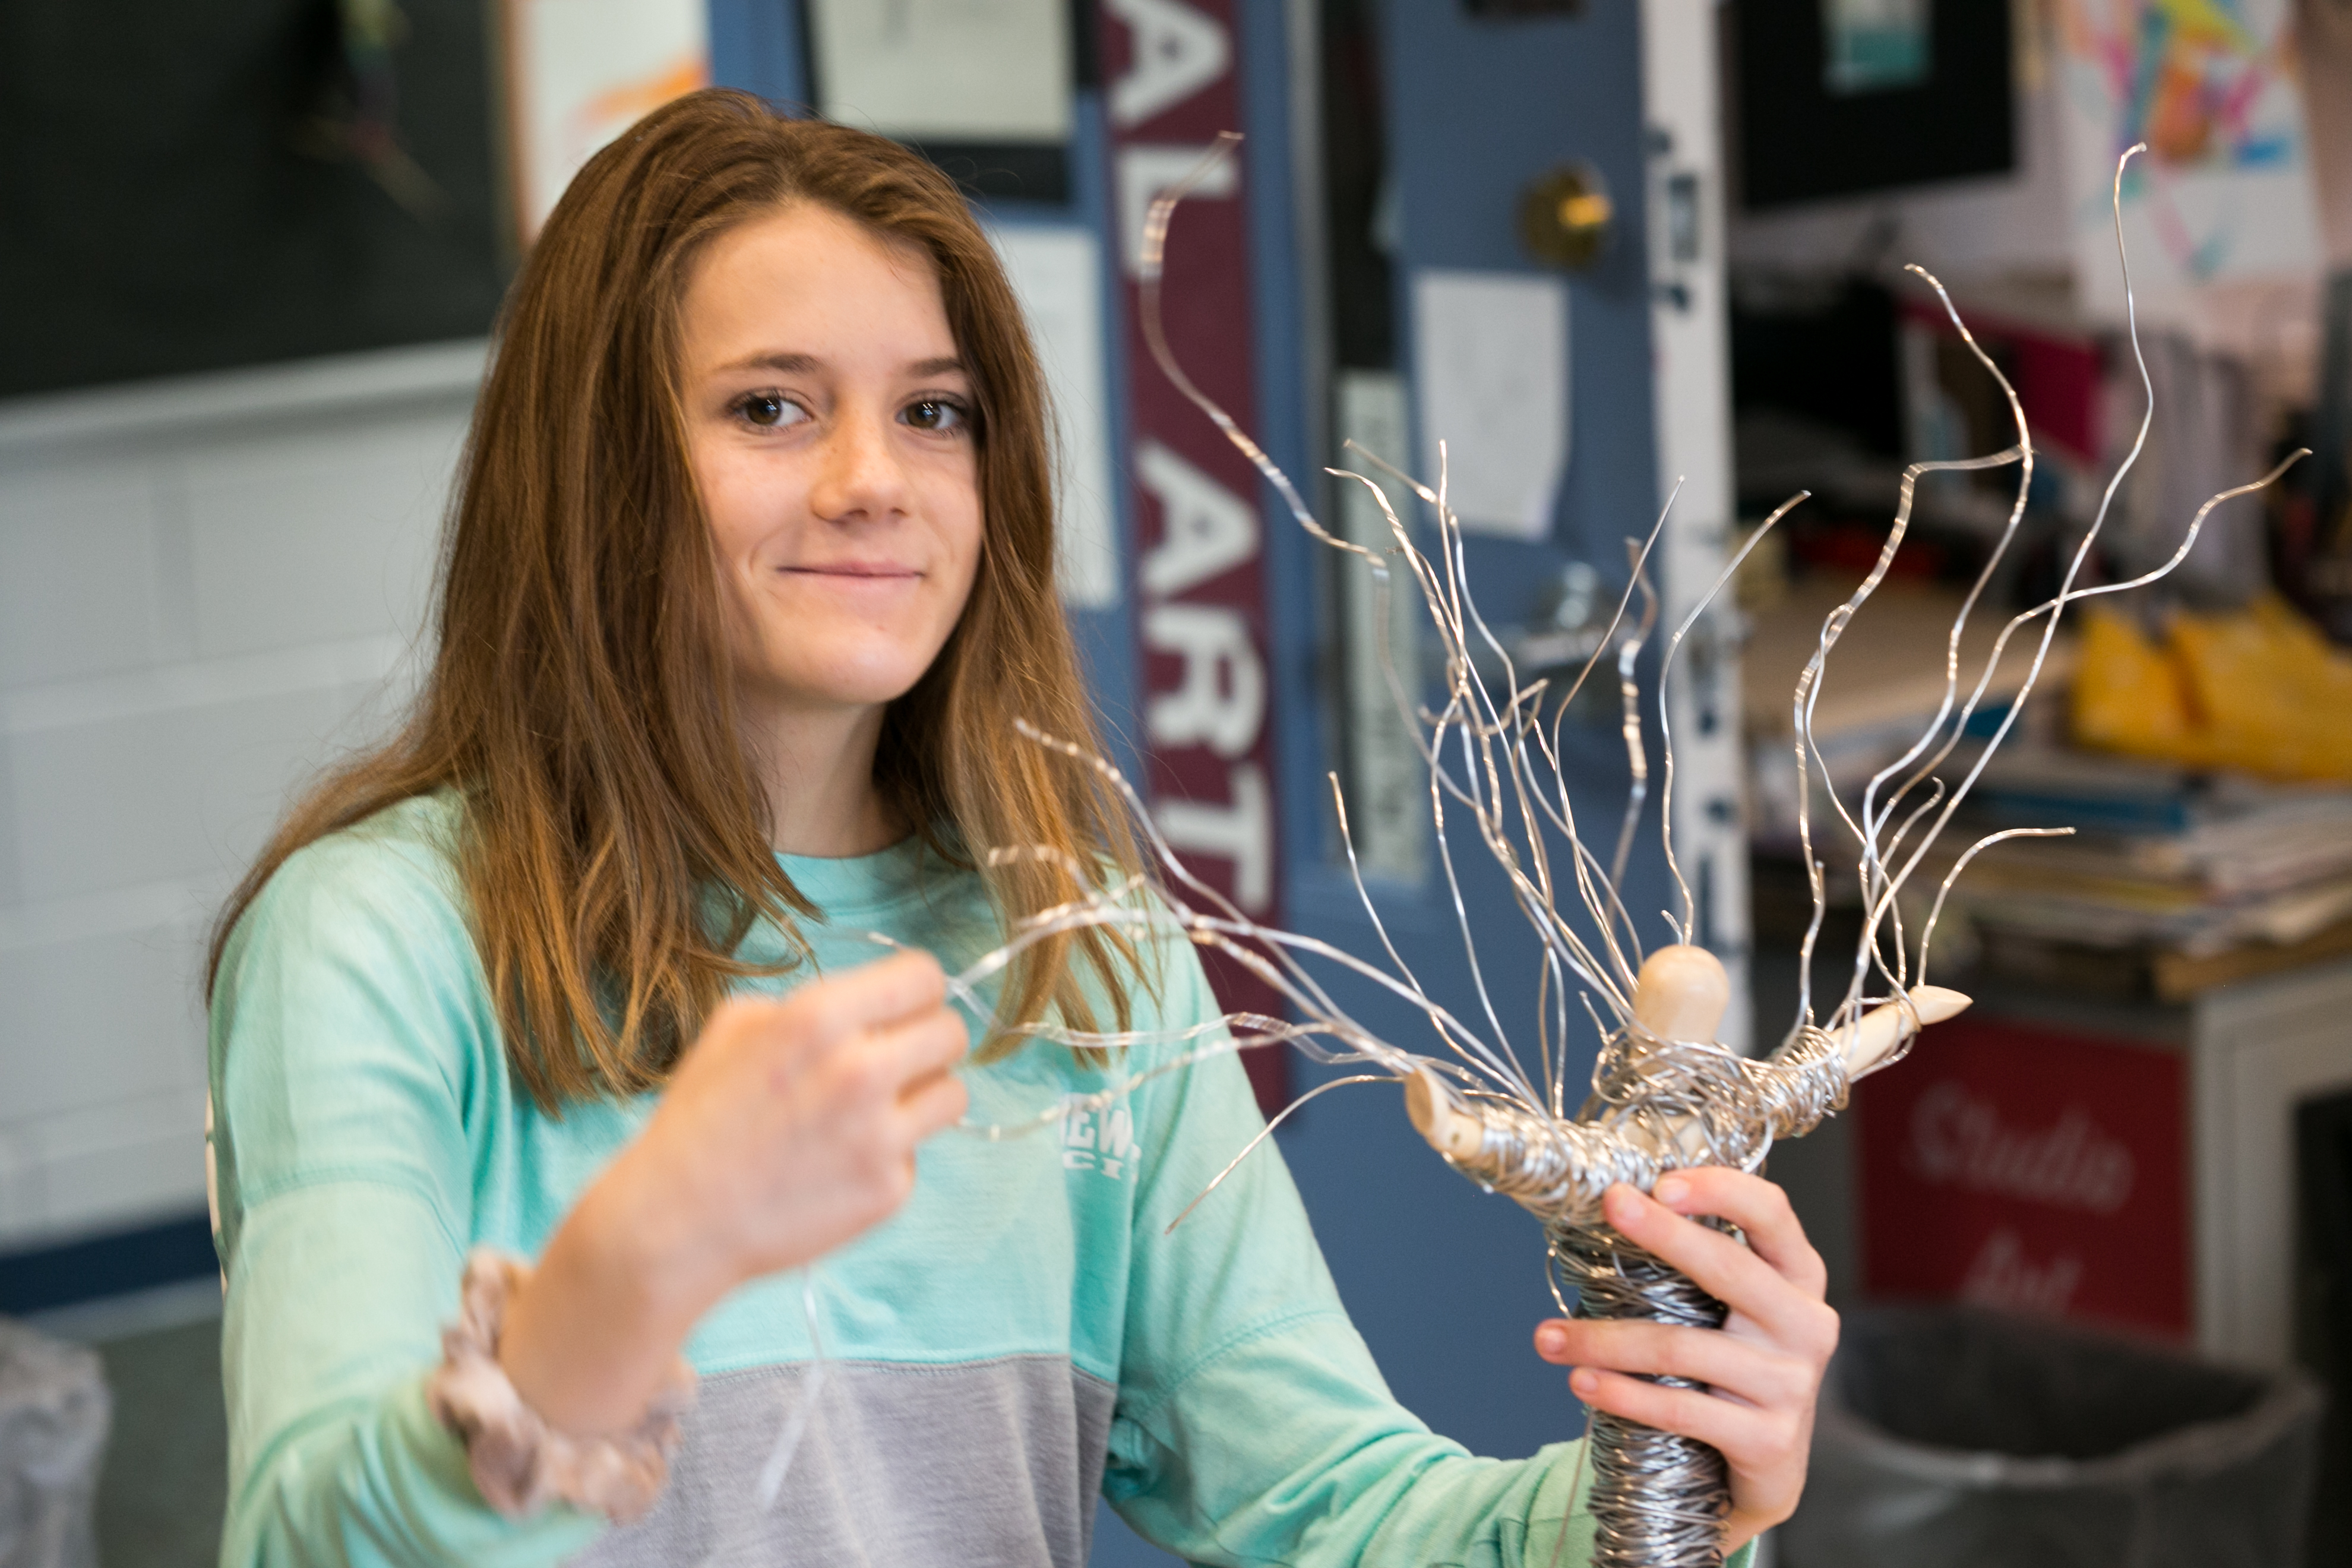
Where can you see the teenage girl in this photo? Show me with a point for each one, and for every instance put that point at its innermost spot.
(749, 576)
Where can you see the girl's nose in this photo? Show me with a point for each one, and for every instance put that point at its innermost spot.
(861, 477)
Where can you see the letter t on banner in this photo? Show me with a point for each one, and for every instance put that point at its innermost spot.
(1200, 560)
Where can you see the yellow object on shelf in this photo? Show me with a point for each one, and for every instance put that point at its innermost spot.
(2259, 690)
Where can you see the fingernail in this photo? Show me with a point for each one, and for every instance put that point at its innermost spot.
(1552, 1340)
(1670, 1190)
(1584, 1381)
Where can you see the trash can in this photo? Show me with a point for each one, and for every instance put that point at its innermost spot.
(1954, 1437)
(54, 1410)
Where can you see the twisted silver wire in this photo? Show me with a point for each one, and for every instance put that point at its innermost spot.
(1656, 1106)
(1657, 1501)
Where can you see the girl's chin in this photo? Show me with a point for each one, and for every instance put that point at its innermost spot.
(832, 690)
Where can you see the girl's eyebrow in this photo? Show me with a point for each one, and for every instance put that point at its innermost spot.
(775, 359)
(802, 365)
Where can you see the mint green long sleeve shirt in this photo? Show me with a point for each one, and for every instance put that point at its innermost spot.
(1024, 1334)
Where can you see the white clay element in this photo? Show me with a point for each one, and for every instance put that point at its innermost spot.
(1439, 1117)
(1681, 993)
(1876, 1034)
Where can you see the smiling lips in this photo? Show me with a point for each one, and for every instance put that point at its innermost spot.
(858, 570)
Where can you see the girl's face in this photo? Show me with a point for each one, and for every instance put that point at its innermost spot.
(831, 427)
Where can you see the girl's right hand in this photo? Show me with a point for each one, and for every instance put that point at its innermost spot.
(790, 1126)
(788, 1129)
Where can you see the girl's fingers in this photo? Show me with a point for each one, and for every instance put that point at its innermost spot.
(1730, 1271)
(1760, 1208)
(936, 1102)
(872, 995)
(1741, 1368)
(1759, 1377)
(1751, 1439)
(1789, 1315)
(911, 1049)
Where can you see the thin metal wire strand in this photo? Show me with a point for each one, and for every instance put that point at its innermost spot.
(1451, 614)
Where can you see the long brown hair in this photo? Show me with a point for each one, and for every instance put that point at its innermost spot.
(580, 700)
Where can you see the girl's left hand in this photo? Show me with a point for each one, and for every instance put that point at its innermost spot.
(1762, 1369)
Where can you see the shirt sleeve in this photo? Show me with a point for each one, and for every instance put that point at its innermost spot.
(347, 1044)
(1251, 1426)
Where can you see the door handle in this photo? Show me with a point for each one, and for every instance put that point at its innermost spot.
(1566, 216)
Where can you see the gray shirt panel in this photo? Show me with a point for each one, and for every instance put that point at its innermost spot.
(989, 1464)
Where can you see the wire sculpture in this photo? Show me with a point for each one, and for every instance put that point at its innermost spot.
(1664, 1093)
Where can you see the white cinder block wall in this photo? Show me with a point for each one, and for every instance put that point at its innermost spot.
(208, 589)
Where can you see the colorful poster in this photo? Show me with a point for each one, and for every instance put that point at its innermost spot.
(2223, 193)
(580, 72)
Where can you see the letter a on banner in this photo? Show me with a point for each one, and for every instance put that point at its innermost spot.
(1200, 587)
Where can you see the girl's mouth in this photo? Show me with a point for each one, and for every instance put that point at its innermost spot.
(870, 570)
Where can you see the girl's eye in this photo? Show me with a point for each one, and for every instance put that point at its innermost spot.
(769, 410)
(936, 413)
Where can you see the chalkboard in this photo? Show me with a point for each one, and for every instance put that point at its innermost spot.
(185, 187)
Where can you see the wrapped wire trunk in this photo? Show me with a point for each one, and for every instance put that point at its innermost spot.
(1658, 1500)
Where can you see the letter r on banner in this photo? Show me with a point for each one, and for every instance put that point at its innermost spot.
(1221, 703)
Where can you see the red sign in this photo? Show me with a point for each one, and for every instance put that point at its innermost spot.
(2058, 376)
(1199, 571)
(2032, 1169)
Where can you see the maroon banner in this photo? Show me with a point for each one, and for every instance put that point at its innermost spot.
(2033, 1169)
(1171, 76)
